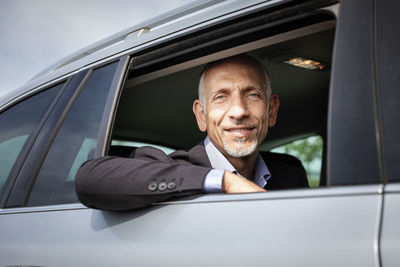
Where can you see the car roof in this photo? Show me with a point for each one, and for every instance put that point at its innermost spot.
(164, 27)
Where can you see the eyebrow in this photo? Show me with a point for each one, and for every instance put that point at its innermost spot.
(248, 88)
(220, 90)
(252, 88)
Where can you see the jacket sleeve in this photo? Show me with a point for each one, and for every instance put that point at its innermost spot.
(148, 176)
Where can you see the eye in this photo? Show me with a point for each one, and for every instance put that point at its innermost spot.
(254, 95)
(219, 98)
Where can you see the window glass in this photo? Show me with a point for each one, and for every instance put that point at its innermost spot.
(75, 142)
(13, 146)
(17, 124)
(309, 152)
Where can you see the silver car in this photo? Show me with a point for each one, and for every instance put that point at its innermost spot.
(334, 65)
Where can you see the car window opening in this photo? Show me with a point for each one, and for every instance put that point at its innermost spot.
(166, 95)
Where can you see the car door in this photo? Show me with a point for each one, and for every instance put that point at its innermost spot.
(332, 226)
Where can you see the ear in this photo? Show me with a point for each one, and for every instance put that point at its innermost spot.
(273, 110)
(198, 111)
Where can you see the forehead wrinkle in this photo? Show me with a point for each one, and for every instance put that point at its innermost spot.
(216, 73)
(230, 86)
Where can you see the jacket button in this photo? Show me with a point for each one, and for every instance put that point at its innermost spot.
(152, 186)
(162, 186)
(171, 185)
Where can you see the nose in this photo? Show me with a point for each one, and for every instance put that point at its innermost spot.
(238, 108)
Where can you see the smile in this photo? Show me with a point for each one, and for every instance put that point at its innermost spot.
(240, 131)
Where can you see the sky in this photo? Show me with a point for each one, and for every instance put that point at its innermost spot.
(36, 33)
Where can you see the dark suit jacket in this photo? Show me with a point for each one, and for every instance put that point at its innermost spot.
(149, 175)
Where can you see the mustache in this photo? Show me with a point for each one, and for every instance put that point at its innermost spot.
(240, 122)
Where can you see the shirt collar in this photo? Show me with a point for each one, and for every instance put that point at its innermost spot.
(218, 161)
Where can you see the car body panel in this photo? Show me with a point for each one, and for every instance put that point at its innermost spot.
(391, 226)
(319, 224)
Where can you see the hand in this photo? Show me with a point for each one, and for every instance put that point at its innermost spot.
(232, 183)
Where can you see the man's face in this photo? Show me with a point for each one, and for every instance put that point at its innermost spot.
(236, 116)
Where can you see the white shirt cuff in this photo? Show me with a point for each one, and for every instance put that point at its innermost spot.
(213, 181)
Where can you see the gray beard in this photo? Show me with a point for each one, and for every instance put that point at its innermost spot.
(237, 150)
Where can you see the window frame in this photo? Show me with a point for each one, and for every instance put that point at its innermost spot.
(181, 52)
(167, 56)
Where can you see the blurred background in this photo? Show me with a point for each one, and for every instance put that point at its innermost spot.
(36, 33)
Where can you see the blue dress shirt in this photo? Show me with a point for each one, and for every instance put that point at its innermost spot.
(213, 180)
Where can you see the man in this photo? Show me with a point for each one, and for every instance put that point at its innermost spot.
(235, 108)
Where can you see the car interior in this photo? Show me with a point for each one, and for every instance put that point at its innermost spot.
(155, 108)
